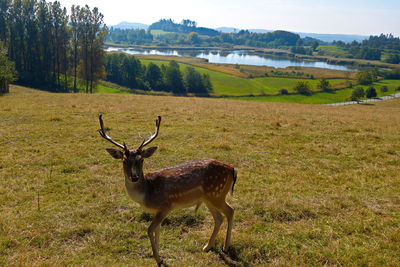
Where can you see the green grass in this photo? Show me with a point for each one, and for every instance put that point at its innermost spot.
(334, 51)
(225, 84)
(103, 89)
(159, 32)
(317, 185)
(325, 97)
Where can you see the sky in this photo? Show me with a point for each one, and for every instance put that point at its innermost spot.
(363, 17)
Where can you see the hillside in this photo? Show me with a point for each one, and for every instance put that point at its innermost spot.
(325, 37)
(316, 185)
(130, 25)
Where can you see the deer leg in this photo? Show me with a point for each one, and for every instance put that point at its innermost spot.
(157, 237)
(228, 212)
(152, 233)
(218, 218)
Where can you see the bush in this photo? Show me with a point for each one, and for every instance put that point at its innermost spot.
(357, 93)
(349, 84)
(398, 88)
(7, 71)
(366, 77)
(283, 91)
(384, 89)
(302, 87)
(371, 92)
(324, 85)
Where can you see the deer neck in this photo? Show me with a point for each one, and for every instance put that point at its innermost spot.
(136, 190)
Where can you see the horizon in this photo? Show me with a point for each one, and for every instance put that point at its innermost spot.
(227, 27)
(352, 17)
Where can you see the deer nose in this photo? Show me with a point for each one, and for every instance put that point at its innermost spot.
(134, 177)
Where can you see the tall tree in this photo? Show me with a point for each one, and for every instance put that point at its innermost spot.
(4, 18)
(97, 32)
(75, 30)
(153, 76)
(45, 43)
(173, 79)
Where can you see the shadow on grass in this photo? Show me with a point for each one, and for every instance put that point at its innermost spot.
(230, 258)
(189, 220)
(367, 104)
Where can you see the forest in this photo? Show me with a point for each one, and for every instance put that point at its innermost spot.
(53, 50)
(126, 70)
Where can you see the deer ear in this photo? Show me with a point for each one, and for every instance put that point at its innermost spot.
(115, 153)
(148, 152)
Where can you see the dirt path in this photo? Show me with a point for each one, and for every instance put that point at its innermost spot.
(366, 101)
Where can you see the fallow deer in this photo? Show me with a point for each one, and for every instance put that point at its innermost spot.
(191, 183)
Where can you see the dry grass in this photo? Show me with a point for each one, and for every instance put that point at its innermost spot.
(316, 185)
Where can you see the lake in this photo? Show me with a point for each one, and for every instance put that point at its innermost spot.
(233, 57)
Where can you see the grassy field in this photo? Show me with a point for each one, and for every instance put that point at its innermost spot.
(317, 185)
(334, 51)
(159, 32)
(240, 88)
(225, 84)
(326, 97)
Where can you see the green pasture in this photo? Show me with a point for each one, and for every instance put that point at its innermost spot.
(225, 84)
(325, 97)
(334, 51)
(159, 32)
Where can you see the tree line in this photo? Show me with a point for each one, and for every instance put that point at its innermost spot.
(50, 49)
(186, 26)
(127, 70)
(373, 48)
(187, 32)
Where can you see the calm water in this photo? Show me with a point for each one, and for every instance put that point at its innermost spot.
(233, 57)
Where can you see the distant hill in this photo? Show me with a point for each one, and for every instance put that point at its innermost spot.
(325, 37)
(130, 25)
(186, 26)
(347, 38)
(231, 30)
(227, 29)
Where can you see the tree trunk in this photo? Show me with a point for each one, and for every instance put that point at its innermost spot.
(75, 65)
(4, 88)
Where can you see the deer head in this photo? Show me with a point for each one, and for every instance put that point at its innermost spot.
(132, 159)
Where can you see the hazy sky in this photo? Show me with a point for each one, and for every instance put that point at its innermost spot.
(363, 17)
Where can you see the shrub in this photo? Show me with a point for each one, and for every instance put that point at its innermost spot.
(302, 87)
(384, 89)
(367, 76)
(357, 93)
(324, 84)
(349, 84)
(283, 91)
(7, 71)
(371, 92)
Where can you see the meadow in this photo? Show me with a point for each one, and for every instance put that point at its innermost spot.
(317, 185)
(230, 85)
(267, 88)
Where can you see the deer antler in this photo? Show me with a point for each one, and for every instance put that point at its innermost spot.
(105, 136)
(145, 143)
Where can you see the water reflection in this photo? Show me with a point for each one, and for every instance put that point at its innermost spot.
(233, 57)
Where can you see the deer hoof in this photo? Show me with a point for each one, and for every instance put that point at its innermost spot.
(206, 248)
